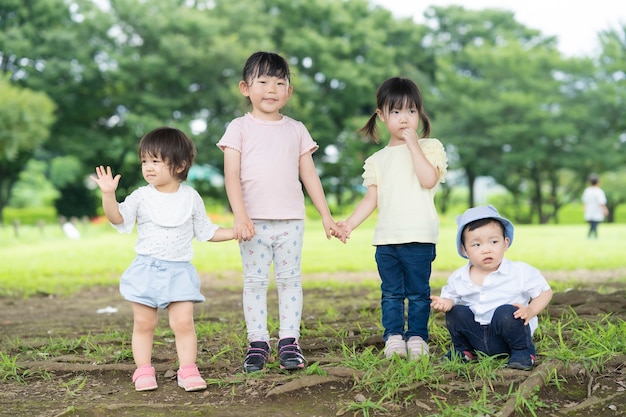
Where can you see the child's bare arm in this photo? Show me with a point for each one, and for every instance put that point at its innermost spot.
(535, 306)
(313, 185)
(362, 211)
(223, 234)
(243, 226)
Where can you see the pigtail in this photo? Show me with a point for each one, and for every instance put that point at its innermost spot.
(425, 123)
(370, 129)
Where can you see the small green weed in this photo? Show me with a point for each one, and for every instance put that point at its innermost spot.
(315, 369)
(528, 405)
(482, 405)
(73, 386)
(10, 370)
(365, 407)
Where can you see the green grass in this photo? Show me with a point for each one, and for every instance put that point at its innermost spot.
(44, 261)
(383, 386)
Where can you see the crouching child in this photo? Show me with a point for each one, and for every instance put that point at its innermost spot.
(491, 303)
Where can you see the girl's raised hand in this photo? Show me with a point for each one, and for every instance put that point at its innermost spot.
(410, 137)
(105, 179)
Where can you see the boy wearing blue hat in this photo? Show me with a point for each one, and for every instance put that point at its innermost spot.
(492, 303)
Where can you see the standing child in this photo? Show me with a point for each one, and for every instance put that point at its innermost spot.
(401, 181)
(264, 154)
(491, 304)
(168, 216)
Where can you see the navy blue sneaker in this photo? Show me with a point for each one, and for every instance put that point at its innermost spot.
(258, 354)
(521, 359)
(290, 355)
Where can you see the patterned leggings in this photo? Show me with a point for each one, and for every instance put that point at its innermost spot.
(278, 242)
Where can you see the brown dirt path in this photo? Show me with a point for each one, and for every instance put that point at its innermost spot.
(79, 386)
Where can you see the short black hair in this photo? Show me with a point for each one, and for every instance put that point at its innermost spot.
(265, 64)
(480, 223)
(172, 146)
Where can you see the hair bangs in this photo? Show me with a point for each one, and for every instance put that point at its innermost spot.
(400, 95)
(266, 64)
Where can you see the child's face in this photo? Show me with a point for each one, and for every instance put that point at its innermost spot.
(485, 246)
(267, 95)
(158, 173)
(398, 120)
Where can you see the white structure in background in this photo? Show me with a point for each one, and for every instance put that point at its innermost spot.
(71, 231)
(485, 187)
(206, 172)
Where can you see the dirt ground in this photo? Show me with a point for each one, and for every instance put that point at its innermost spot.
(76, 385)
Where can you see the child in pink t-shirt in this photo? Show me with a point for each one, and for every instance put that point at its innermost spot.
(266, 154)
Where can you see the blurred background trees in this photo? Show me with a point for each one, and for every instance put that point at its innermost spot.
(81, 82)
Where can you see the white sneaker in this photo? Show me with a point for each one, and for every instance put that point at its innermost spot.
(395, 345)
(416, 347)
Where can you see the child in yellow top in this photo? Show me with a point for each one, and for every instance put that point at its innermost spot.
(401, 181)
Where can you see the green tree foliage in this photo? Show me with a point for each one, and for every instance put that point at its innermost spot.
(44, 46)
(500, 96)
(25, 117)
(512, 108)
(33, 188)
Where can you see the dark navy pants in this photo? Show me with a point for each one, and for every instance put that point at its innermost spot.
(504, 334)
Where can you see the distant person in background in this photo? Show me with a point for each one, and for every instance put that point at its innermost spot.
(168, 215)
(594, 204)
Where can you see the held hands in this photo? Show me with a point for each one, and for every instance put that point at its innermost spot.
(243, 227)
(345, 227)
(333, 229)
(105, 180)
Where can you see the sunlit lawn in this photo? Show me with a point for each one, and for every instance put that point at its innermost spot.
(45, 261)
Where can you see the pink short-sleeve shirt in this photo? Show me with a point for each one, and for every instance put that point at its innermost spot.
(270, 162)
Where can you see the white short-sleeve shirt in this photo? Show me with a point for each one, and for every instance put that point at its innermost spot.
(166, 222)
(512, 283)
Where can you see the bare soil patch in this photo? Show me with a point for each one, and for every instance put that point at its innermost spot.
(77, 384)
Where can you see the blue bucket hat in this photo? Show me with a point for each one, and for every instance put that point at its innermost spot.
(477, 213)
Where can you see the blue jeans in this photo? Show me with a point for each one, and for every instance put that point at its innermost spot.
(593, 228)
(503, 335)
(404, 271)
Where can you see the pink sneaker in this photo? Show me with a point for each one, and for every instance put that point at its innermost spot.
(145, 378)
(189, 378)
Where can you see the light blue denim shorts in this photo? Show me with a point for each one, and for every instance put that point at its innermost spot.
(157, 283)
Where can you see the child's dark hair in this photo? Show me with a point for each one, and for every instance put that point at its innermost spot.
(480, 223)
(172, 146)
(397, 93)
(265, 64)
